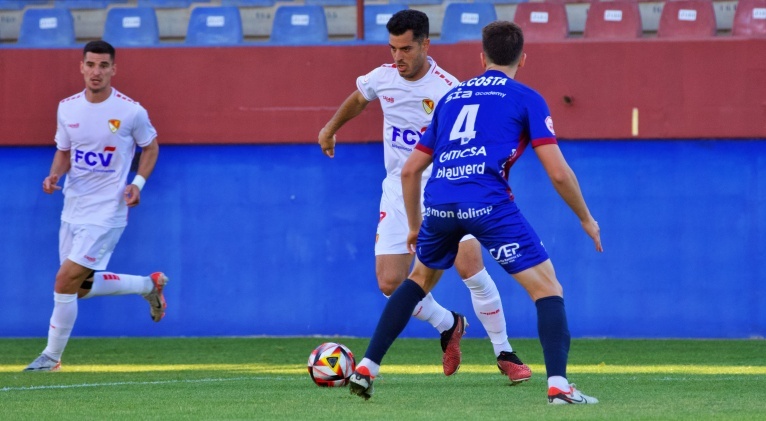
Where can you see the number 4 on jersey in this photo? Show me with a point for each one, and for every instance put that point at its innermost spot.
(463, 128)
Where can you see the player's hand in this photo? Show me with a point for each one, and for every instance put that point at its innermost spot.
(132, 195)
(50, 184)
(591, 227)
(327, 143)
(412, 241)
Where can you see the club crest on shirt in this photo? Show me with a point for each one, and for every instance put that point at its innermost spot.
(114, 125)
(428, 105)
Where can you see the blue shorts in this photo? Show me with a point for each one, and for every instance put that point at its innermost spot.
(501, 229)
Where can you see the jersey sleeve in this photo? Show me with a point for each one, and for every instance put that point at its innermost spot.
(143, 131)
(63, 142)
(367, 84)
(540, 122)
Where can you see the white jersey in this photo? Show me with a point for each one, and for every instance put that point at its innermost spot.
(101, 139)
(407, 109)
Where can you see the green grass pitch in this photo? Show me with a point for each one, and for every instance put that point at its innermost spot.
(266, 379)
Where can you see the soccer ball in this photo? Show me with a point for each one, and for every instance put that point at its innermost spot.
(331, 364)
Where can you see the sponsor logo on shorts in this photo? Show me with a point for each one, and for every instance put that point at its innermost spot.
(459, 214)
(90, 259)
(505, 254)
(73, 125)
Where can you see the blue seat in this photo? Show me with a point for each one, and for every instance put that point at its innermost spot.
(20, 4)
(332, 2)
(214, 26)
(376, 16)
(47, 27)
(131, 26)
(296, 25)
(86, 4)
(502, 1)
(248, 3)
(464, 21)
(165, 4)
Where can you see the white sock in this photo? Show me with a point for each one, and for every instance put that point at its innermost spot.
(62, 322)
(560, 383)
(107, 283)
(428, 310)
(489, 309)
(373, 367)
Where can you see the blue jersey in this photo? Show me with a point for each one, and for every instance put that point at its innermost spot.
(480, 129)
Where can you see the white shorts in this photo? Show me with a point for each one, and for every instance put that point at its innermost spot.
(88, 245)
(391, 236)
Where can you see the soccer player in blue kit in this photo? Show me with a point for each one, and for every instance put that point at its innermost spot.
(479, 130)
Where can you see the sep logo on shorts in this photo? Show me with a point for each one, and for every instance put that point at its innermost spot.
(505, 254)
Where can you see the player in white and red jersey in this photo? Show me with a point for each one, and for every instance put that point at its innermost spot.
(96, 138)
(408, 90)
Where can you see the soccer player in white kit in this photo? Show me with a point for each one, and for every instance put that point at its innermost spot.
(408, 91)
(96, 137)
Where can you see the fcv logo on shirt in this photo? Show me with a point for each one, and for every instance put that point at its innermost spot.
(94, 158)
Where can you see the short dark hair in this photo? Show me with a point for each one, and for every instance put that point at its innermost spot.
(409, 19)
(99, 47)
(502, 42)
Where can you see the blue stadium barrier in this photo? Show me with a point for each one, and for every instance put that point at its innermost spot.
(46, 27)
(376, 17)
(331, 2)
(292, 235)
(214, 26)
(20, 4)
(464, 21)
(299, 25)
(167, 4)
(416, 2)
(248, 3)
(500, 1)
(131, 26)
(87, 4)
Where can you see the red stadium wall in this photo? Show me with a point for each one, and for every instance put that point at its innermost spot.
(259, 94)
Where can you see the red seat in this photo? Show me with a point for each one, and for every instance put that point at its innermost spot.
(750, 18)
(542, 21)
(613, 20)
(687, 18)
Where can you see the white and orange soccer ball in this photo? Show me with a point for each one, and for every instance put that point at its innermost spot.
(331, 364)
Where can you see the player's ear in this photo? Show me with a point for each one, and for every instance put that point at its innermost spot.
(523, 60)
(483, 60)
(426, 43)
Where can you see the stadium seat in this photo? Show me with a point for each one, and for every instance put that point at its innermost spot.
(542, 21)
(332, 2)
(248, 3)
(750, 18)
(167, 4)
(302, 24)
(131, 26)
(376, 16)
(687, 18)
(613, 20)
(464, 21)
(214, 26)
(20, 4)
(86, 4)
(47, 27)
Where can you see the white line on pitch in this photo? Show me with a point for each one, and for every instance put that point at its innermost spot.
(81, 385)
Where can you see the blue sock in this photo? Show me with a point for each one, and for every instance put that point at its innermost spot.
(394, 319)
(554, 334)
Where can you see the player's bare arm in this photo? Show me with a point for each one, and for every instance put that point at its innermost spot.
(59, 167)
(146, 163)
(351, 107)
(412, 174)
(565, 183)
